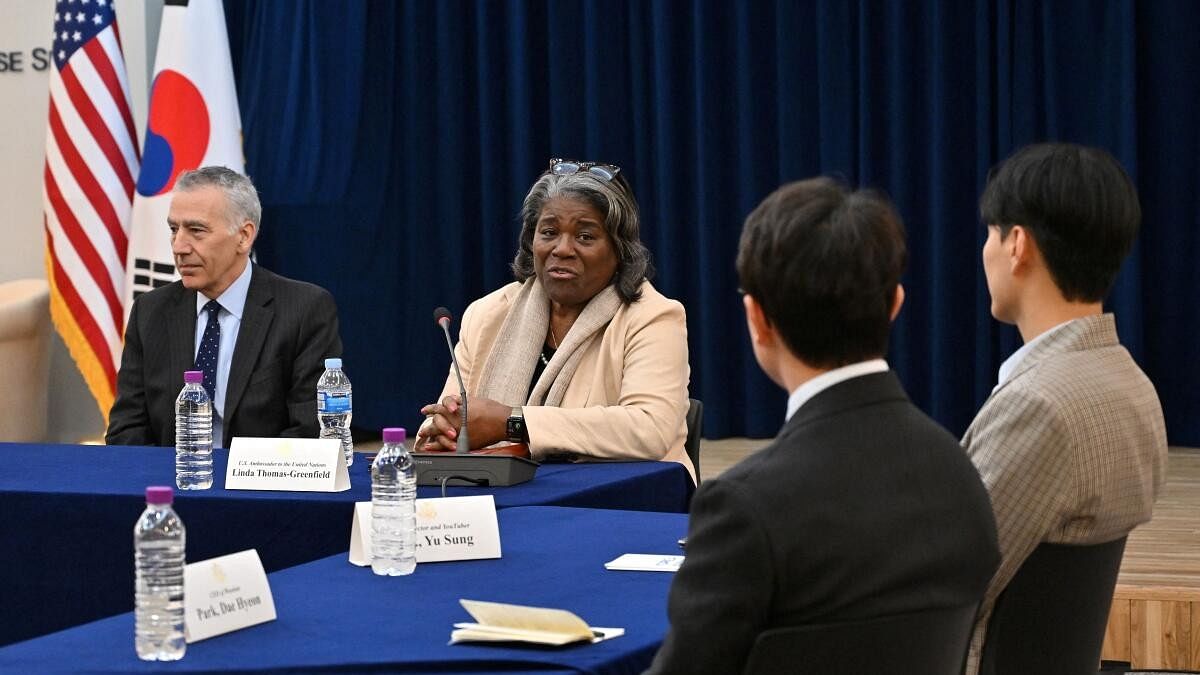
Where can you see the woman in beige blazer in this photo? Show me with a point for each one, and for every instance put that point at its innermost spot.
(580, 357)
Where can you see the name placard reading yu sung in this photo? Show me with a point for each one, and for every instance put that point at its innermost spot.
(449, 528)
(290, 464)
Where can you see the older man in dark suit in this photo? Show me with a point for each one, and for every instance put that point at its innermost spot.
(261, 339)
(862, 507)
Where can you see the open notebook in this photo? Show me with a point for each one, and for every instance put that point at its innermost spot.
(498, 622)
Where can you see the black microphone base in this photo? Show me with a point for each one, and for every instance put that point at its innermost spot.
(478, 470)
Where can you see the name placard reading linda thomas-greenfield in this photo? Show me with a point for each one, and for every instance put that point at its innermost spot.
(290, 464)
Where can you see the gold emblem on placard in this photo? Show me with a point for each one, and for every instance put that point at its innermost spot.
(426, 511)
(218, 573)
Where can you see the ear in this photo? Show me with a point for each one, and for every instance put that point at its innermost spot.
(762, 333)
(246, 234)
(897, 302)
(1022, 249)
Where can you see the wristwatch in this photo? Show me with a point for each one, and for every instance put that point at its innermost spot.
(517, 433)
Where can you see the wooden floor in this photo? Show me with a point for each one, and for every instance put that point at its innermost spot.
(1166, 551)
(1155, 619)
(716, 456)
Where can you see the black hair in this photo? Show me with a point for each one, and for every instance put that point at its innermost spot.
(1079, 206)
(824, 263)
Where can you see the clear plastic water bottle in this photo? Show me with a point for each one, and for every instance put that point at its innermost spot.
(158, 550)
(193, 434)
(393, 508)
(335, 406)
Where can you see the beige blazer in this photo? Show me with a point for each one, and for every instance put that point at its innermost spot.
(1072, 449)
(628, 398)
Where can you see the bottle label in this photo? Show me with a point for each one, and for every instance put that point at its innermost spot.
(332, 404)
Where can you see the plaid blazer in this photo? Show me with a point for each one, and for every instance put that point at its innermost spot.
(1072, 449)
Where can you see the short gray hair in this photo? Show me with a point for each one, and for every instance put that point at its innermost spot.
(615, 200)
(237, 188)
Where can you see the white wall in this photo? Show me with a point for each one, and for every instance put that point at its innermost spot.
(25, 25)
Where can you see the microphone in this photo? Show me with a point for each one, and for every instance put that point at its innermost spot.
(462, 467)
(441, 315)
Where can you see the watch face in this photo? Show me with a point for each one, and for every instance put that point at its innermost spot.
(516, 429)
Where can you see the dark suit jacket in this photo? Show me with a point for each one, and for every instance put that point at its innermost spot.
(288, 328)
(861, 507)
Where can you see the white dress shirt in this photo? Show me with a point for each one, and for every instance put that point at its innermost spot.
(826, 380)
(233, 303)
(1010, 364)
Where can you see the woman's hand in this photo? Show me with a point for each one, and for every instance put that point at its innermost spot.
(440, 429)
(487, 423)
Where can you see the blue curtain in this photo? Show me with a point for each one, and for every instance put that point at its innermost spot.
(393, 143)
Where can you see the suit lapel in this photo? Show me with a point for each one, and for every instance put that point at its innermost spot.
(182, 335)
(256, 321)
(1089, 332)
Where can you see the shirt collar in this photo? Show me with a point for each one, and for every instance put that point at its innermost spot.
(1010, 364)
(826, 380)
(233, 300)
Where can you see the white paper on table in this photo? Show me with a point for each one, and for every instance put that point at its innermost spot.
(500, 622)
(645, 562)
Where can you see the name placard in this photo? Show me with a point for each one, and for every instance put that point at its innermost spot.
(221, 595)
(289, 464)
(448, 528)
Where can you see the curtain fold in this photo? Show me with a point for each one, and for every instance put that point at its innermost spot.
(393, 143)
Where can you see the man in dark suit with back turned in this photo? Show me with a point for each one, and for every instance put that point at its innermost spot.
(862, 506)
(260, 338)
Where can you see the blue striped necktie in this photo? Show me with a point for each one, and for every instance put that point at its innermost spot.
(210, 346)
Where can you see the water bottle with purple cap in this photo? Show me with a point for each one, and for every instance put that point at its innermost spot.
(159, 541)
(193, 434)
(393, 508)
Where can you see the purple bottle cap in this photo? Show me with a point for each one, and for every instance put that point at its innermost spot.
(394, 435)
(193, 376)
(159, 494)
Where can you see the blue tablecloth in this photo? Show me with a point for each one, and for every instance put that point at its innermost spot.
(334, 617)
(67, 515)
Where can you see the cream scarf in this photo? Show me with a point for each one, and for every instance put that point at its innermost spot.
(511, 363)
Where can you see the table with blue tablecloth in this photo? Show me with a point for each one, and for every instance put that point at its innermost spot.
(66, 531)
(335, 617)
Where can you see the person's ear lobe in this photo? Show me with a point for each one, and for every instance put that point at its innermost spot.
(761, 330)
(897, 302)
(246, 236)
(1022, 249)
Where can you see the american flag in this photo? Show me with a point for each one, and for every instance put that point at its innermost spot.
(91, 167)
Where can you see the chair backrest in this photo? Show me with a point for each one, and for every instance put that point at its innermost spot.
(930, 642)
(1050, 618)
(695, 420)
(25, 352)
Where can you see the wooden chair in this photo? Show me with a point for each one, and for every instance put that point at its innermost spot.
(25, 353)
